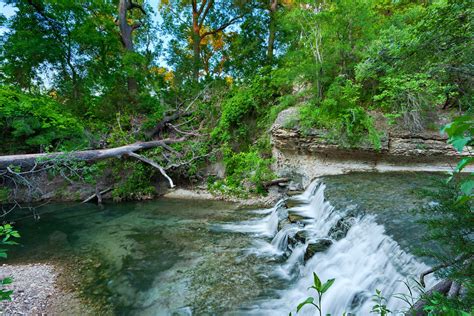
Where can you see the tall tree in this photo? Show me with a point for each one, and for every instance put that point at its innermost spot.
(197, 21)
(126, 29)
(199, 14)
(272, 8)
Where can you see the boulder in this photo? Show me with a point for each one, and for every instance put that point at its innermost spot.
(284, 222)
(319, 245)
(341, 228)
(295, 218)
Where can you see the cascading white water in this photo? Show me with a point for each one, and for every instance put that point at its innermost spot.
(264, 227)
(364, 260)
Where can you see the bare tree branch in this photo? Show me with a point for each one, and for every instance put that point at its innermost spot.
(222, 27)
(153, 164)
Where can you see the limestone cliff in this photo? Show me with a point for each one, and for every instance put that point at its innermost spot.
(311, 154)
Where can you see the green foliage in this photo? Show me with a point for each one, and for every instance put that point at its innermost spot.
(6, 234)
(5, 295)
(461, 135)
(119, 134)
(408, 93)
(449, 224)
(245, 172)
(437, 304)
(4, 193)
(340, 113)
(380, 307)
(134, 181)
(405, 67)
(411, 96)
(240, 111)
(34, 123)
(74, 170)
(320, 288)
(337, 60)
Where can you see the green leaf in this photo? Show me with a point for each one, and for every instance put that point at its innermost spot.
(309, 300)
(6, 281)
(462, 199)
(467, 187)
(317, 282)
(463, 163)
(327, 285)
(5, 295)
(459, 142)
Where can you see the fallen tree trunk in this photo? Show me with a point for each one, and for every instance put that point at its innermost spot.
(441, 287)
(31, 160)
(98, 194)
(166, 120)
(9, 164)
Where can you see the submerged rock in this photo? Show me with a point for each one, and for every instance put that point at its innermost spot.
(59, 239)
(319, 245)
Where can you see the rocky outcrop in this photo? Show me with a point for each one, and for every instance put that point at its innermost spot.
(313, 153)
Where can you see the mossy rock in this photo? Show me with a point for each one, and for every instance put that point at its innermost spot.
(295, 218)
(293, 203)
(293, 193)
(318, 246)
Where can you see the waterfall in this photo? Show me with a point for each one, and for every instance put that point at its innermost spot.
(263, 227)
(353, 249)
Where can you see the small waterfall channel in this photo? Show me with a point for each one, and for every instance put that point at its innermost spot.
(306, 234)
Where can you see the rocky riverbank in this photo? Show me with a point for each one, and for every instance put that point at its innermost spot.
(37, 290)
(200, 193)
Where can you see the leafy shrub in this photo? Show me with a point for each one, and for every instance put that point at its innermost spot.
(240, 111)
(6, 233)
(32, 123)
(411, 96)
(340, 113)
(245, 172)
(134, 181)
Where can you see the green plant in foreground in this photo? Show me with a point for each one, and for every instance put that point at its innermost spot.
(380, 307)
(321, 289)
(6, 233)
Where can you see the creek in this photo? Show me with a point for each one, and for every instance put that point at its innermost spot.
(188, 257)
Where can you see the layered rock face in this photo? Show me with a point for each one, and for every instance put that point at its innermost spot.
(308, 155)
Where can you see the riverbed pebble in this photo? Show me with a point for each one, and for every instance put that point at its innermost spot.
(33, 286)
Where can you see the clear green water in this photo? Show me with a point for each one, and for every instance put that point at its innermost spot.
(158, 257)
(163, 258)
(392, 197)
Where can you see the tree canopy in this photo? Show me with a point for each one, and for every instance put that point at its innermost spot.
(220, 71)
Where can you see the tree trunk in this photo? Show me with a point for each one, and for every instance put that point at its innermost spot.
(196, 46)
(30, 160)
(272, 29)
(441, 287)
(127, 40)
